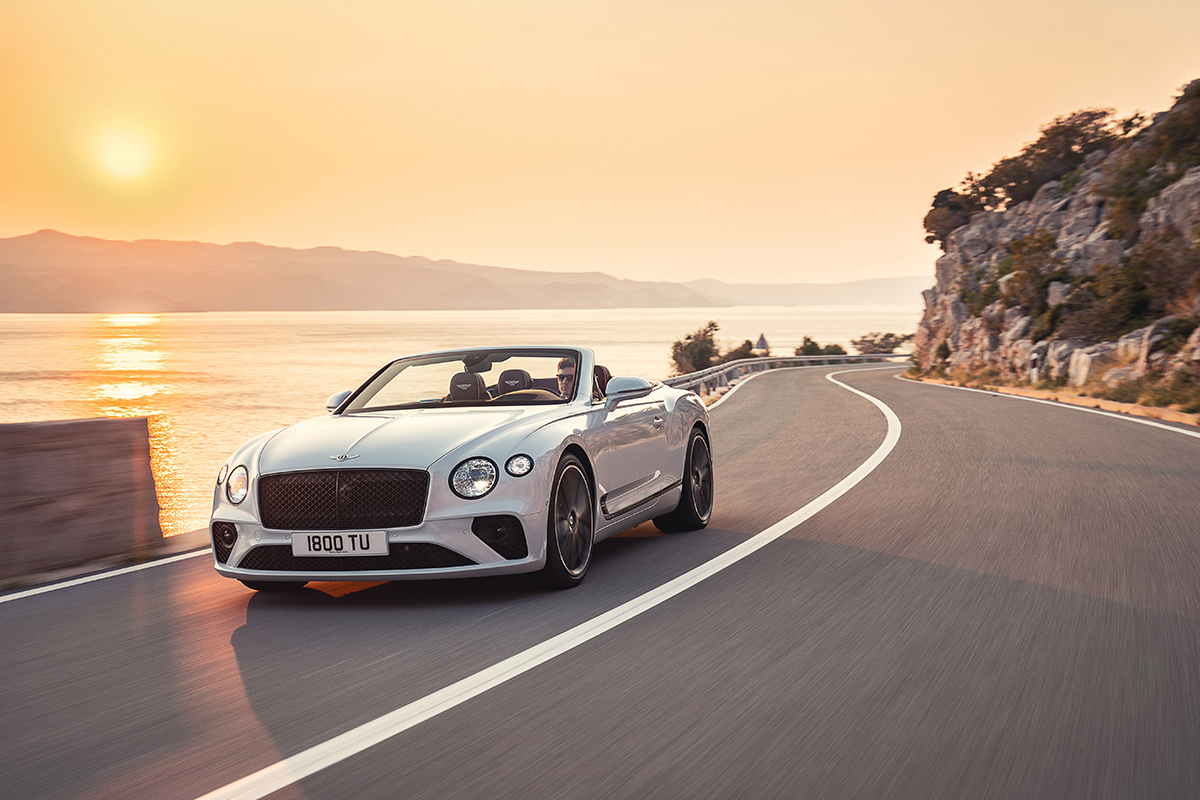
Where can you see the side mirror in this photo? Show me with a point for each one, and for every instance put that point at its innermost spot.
(336, 400)
(626, 388)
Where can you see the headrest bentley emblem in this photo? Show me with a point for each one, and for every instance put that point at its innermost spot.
(511, 383)
(463, 386)
(343, 457)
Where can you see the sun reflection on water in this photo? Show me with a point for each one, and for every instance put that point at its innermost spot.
(123, 383)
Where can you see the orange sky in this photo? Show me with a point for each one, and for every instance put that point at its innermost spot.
(752, 140)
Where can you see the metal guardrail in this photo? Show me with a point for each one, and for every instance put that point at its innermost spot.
(715, 378)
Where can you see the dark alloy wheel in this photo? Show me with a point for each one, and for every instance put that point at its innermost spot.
(570, 527)
(275, 586)
(696, 500)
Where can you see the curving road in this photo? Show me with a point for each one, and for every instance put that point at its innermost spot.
(1007, 606)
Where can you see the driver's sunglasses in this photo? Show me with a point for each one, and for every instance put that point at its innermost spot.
(562, 377)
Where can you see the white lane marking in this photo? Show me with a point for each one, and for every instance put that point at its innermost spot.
(102, 575)
(290, 770)
(1101, 412)
(743, 381)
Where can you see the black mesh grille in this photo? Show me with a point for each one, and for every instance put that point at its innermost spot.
(220, 549)
(419, 555)
(343, 499)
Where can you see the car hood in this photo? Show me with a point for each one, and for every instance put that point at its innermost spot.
(412, 439)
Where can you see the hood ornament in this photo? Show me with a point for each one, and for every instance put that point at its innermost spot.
(343, 457)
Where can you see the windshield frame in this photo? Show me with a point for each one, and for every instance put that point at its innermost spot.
(467, 358)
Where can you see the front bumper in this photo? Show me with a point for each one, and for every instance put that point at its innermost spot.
(450, 544)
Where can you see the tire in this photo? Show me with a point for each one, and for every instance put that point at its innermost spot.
(275, 586)
(570, 526)
(696, 498)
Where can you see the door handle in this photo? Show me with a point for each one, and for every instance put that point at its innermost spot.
(658, 421)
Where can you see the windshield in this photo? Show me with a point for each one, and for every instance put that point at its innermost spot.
(482, 377)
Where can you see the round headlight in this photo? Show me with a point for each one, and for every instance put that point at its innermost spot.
(239, 484)
(519, 465)
(221, 475)
(473, 478)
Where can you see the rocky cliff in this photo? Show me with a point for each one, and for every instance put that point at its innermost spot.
(1065, 284)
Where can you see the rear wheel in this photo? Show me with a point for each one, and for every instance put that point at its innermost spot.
(570, 527)
(696, 500)
(275, 586)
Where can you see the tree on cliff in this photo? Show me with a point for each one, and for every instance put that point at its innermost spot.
(1061, 149)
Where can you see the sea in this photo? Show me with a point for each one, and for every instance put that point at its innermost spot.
(209, 381)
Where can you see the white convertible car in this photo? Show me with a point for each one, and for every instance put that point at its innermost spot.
(462, 463)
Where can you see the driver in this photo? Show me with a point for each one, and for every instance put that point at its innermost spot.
(566, 376)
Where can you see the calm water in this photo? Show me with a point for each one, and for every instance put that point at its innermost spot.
(210, 381)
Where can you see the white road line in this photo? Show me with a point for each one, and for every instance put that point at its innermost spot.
(102, 575)
(743, 381)
(284, 773)
(1101, 412)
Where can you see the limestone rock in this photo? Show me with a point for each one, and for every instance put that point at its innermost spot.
(1086, 363)
(1154, 334)
(1057, 293)
(1177, 206)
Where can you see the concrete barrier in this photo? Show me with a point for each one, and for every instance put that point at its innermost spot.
(73, 492)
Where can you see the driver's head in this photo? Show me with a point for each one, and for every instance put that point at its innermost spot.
(566, 376)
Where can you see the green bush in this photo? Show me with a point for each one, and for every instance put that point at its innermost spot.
(1178, 332)
(1182, 390)
(696, 351)
(1159, 278)
(1123, 392)
(876, 342)
(1159, 158)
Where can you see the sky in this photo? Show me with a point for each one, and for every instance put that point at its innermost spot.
(758, 140)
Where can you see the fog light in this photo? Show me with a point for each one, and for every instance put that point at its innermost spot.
(224, 537)
(503, 534)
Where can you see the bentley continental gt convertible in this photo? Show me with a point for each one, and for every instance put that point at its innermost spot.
(480, 461)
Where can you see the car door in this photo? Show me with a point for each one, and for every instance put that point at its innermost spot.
(631, 454)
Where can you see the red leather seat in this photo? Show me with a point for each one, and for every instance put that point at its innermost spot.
(601, 375)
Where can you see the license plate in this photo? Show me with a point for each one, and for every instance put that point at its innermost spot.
(359, 543)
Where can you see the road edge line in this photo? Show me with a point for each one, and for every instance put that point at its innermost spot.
(1073, 406)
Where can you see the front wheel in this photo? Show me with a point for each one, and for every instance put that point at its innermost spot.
(696, 500)
(570, 527)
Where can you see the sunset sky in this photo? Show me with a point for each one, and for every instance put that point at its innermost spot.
(750, 140)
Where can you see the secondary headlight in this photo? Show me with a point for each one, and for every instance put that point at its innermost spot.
(239, 484)
(518, 465)
(473, 478)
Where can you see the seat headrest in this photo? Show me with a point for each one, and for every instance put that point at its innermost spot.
(513, 380)
(601, 375)
(467, 386)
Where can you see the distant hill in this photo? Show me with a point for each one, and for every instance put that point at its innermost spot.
(50, 271)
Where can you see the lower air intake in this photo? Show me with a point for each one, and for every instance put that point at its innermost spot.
(419, 555)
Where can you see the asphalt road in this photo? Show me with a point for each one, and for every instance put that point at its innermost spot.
(1008, 606)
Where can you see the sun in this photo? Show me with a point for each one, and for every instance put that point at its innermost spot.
(124, 154)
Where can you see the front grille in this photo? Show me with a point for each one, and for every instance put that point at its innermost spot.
(343, 499)
(220, 549)
(419, 555)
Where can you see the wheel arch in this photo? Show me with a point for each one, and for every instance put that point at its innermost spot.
(578, 451)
